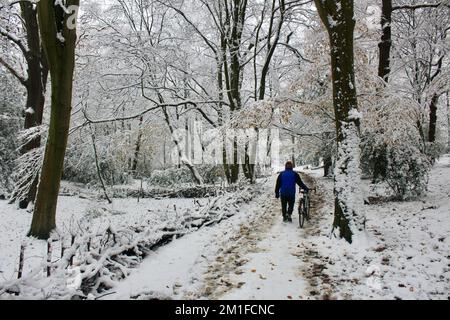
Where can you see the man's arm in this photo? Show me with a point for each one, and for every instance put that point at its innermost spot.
(299, 181)
(278, 186)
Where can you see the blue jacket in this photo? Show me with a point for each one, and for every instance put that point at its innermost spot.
(286, 183)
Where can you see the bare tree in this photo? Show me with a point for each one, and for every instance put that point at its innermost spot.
(58, 32)
(337, 16)
(34, 82)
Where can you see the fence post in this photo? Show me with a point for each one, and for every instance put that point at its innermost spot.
(49, 256)
(62, 247)
(72, 241)
(21, 258)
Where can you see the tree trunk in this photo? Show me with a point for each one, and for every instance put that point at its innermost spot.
(379, 164)
(97, 166)
(386, 42)
(233, 18)
(234, 167)
(433, 118)
(61, 60)
(37, 71)
(137, 148)
(384, 68)
(347, 218)
(293, 150)
(182, 157)
(327, 164)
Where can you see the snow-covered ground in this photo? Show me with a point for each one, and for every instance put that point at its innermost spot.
(407, 255)
(187, 267)
(404, 254)
(254, 255)
(14, 224)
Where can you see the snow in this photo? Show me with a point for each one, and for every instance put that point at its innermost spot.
(347, 174)
(61, 4)
(409, 254)
(178, 269)
(9, 35)
(60, 37)
(70, 209)
(29, 110)
(354, 114)
(273, 271)
(165, 270)
(402, 254)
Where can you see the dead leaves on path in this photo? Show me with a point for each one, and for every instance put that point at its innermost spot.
(230, 258)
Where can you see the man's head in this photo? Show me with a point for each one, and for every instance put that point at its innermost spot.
(289, 165)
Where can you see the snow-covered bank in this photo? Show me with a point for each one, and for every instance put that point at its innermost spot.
(253, 255)
(408, 253)
(405, 253)
(110, 240)
(188, 267)
(123, 212)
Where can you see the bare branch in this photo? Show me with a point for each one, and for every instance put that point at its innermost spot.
(14, 72)
(423, 5)
(15, 40)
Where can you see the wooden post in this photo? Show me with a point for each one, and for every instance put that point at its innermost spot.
(21, 258)
(62, 247)
(71, 245)
(49, 256)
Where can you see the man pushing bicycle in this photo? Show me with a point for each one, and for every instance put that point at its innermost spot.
(285, 187)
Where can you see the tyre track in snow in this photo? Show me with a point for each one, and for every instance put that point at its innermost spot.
(231, 255)
(269, 259)
(313, 264)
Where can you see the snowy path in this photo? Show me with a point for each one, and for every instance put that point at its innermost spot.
(196, 265)
(273, 271)
(254, 255)
(276, 270)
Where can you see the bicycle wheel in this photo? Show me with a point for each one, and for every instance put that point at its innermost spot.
(301, 214)
(307, 207)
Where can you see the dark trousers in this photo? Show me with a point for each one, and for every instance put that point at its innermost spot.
(287, 205)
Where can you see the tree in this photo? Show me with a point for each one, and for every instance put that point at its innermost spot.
(421, 37)
(337, 16)
(386, 40)
(58, 34)
(29, 45)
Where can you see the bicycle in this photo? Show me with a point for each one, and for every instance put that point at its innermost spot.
(303, 207)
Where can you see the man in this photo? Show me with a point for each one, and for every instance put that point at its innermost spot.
(286, 185)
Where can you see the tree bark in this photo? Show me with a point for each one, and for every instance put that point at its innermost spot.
(347, 218)
(182, 157)
(384, 46)
(35, 84)
(327, 164)
(137, 148)
(384, 69)
(61, 60)
(233, 19)
(433, 118)
(97, 166)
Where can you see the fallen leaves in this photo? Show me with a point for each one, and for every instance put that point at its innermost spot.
(380, 249)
